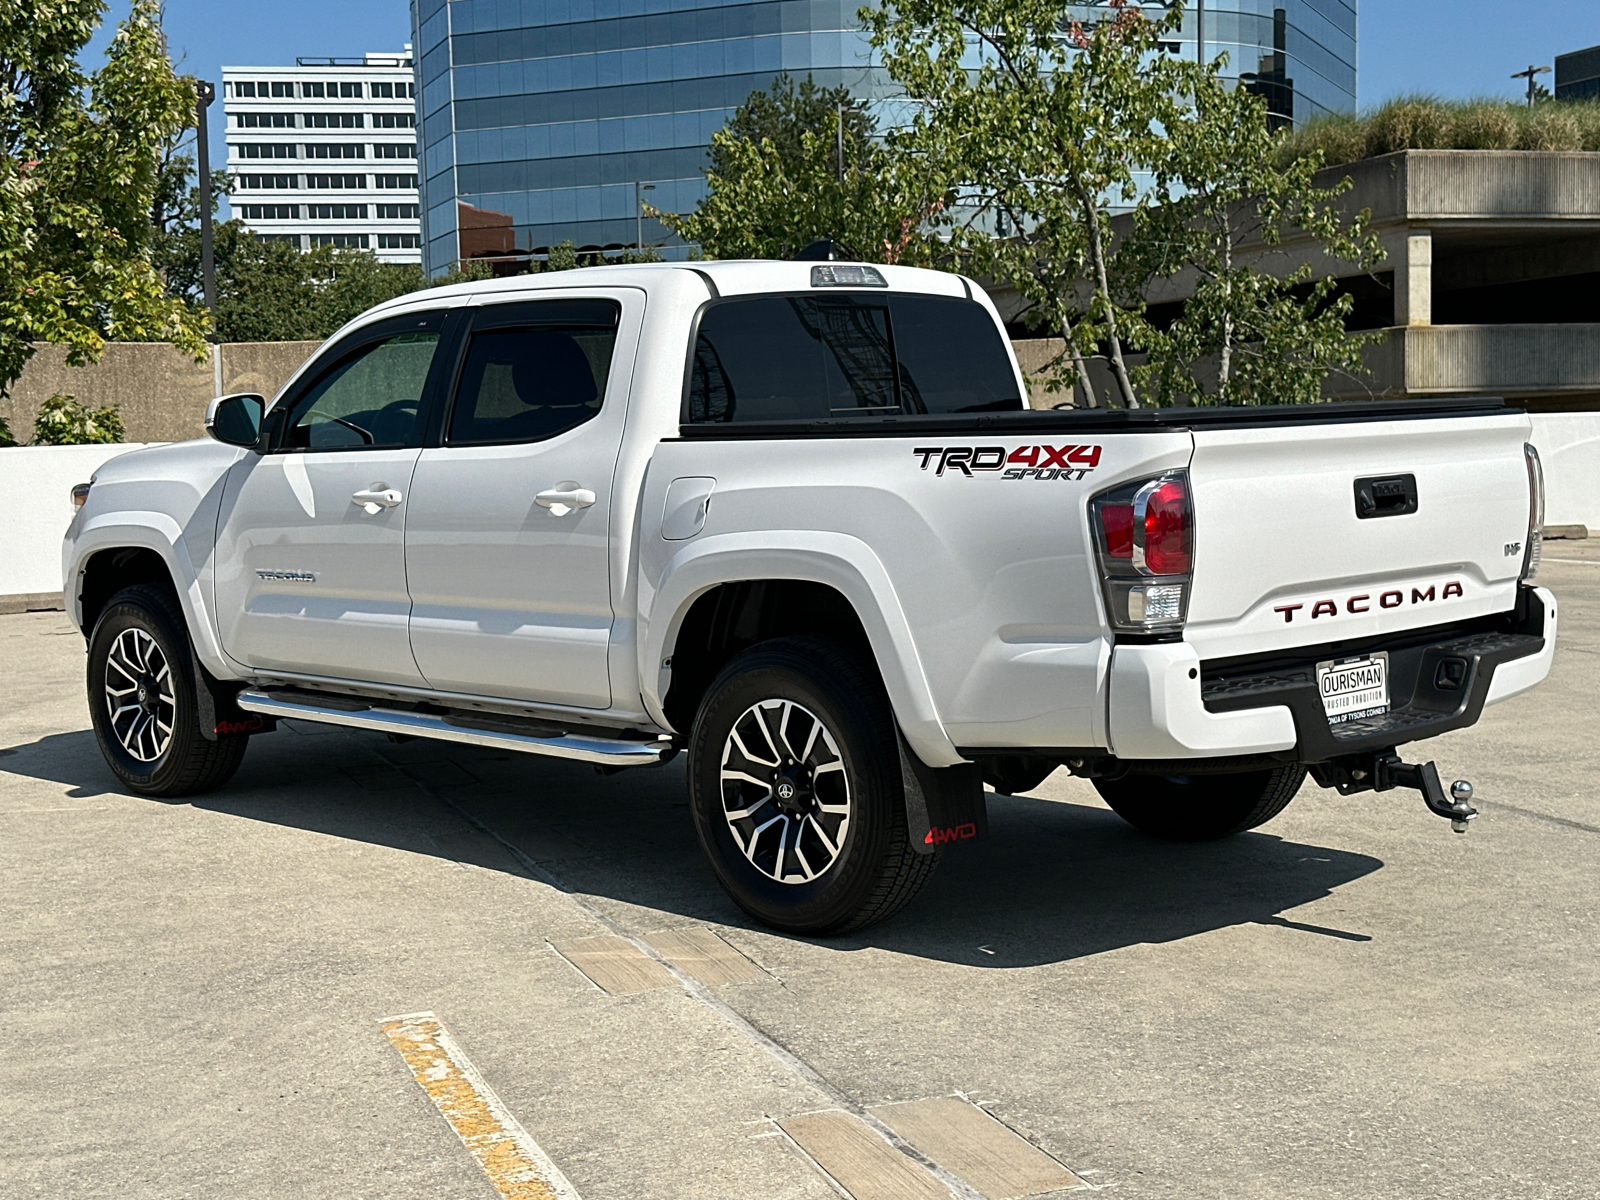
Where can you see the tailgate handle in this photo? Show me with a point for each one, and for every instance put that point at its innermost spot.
(1386, 496)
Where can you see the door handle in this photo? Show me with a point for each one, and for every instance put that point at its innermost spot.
(565, 497)
(376, 498)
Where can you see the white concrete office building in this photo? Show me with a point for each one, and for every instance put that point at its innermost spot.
(325, 152)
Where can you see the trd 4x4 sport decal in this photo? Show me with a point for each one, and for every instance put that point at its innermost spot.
(1025, 462)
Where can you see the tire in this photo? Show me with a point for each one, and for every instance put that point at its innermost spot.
(140, 642)
(834, 854)
(1200, 808)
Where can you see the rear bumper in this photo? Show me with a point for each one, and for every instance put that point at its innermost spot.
(1166, 703)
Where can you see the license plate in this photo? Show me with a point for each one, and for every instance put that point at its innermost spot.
(1354, 687)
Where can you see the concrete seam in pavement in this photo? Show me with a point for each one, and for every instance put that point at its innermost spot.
(803, 1070)
(1539, 816)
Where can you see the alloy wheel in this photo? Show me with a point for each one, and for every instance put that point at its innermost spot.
(139, 695)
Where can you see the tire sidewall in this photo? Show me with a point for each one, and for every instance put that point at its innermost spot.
(781, 672)
(135, 612)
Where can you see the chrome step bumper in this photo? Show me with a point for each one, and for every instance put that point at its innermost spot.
(606, 752)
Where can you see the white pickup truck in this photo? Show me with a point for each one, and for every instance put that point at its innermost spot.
(796, 520)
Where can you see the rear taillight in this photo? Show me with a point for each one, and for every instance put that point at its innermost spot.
(1144, 538)
(1530, 556)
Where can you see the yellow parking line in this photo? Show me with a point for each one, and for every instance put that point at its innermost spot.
(511, 1159)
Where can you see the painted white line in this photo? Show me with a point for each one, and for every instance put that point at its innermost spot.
(1587, 562)
(513, 1161)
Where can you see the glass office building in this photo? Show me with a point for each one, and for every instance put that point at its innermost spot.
(545, 120)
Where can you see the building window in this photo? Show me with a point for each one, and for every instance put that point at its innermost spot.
(394, 120)
(313, 91)
(396, 212)
(394, 181)
(276, 150)
(399, 241)
(394, 151)
(262, 183)
(281, 91)
(347, 91)
(335, 150)
(351, 241)
(333, 120)
(385, 91)
(265, 120)
(336, 212)
(292, 238)
(332, 182)
(267, 212)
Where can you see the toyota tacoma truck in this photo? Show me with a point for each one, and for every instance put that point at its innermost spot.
(796, 521)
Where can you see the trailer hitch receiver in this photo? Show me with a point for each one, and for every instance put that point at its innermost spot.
(1390, 772)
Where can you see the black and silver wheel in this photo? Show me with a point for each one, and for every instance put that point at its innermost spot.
(794, 777)
(142, 700)
(1199, 808)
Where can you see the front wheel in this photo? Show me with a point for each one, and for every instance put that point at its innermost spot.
(1200, 808)
(142, 700)
(794, 779)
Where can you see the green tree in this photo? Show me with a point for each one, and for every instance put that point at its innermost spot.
(175, 218)
(776, 183)
(64, 421)
(78, 176)
(1220, 210)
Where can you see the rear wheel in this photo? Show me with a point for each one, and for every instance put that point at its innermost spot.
(142, 700)
(1198, 808)
(794, 778)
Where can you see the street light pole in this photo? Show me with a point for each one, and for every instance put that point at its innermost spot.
(1200, 32)
(1528, 75)
(639, 189)
(205, 93)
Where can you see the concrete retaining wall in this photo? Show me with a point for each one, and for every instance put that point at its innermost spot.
(161, 393)
(1569, 448)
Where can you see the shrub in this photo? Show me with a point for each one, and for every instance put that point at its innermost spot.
(5, 434)
(1551, 127)
(1410, 123)
(1425, 123)
(62, 421)
(1485, 125)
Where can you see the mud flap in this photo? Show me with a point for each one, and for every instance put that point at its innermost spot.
(944, 805)
(216, 710)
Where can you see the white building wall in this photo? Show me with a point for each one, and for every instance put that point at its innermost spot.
(326, 151)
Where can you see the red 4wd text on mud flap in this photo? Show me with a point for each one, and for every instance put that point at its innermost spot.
(1025, 462)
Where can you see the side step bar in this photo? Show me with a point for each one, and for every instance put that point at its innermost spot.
(606, 752)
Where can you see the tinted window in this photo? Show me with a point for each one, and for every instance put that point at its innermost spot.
(372, 398)
(525, 383)
(794, 358)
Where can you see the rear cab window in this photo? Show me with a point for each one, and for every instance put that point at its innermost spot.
(842, 355)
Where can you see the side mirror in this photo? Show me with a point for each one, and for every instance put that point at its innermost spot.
(236, 420)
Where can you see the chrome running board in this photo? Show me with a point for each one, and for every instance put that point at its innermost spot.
(606, 752)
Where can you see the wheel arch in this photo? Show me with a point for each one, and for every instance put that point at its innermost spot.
(722, 594)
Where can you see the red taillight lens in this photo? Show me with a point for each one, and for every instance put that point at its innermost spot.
(1117, 521)
(1164, 530)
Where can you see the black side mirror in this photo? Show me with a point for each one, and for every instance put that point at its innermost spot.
(236, 420)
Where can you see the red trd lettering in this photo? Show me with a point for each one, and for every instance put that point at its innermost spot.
(1451, 589)
(1324, 608)
(958, 833)
(1399, 599)
(248, 725)
(1350, 604)
(1054, 457)
(1418, 595)
(1089, 456)
(1288, 611)
(1025, 454)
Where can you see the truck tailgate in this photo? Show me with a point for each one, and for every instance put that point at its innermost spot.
(1283, 557)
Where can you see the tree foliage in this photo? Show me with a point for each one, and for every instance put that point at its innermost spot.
(778, 182)
(79, 162)
(64, 421)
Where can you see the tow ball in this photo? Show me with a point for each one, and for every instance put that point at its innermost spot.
(1384, 771)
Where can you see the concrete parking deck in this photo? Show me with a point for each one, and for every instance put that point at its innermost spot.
(1351, 1001)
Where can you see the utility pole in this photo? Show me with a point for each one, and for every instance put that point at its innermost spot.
(205, 93)
(1200, 32)
(839, 135)
(639, 189)
(1528, 75)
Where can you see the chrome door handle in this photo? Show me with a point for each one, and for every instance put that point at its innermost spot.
(376, 498)
(565, 497)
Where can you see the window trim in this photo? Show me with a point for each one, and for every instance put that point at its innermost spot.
(508, 315)
(883, 297)
(446, 322)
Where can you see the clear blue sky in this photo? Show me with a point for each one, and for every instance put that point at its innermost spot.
(1453, 48)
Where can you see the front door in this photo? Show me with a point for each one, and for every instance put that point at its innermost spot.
(508, 539)
(311, 576)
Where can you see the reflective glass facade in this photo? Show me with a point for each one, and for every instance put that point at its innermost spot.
(541, 118)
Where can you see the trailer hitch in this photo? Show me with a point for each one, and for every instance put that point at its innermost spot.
(1384, 771)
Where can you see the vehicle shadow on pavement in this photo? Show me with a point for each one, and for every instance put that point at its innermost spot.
(1056, 880)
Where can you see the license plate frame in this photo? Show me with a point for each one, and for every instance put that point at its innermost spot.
(1354, 687)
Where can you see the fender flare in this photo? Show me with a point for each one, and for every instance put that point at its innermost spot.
(836, 560)
(158, 532)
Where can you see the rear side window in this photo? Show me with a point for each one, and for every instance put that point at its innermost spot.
(535, 378)
(797, 358)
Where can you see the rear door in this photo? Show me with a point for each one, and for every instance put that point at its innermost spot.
(1312, 532)
(509, 535)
